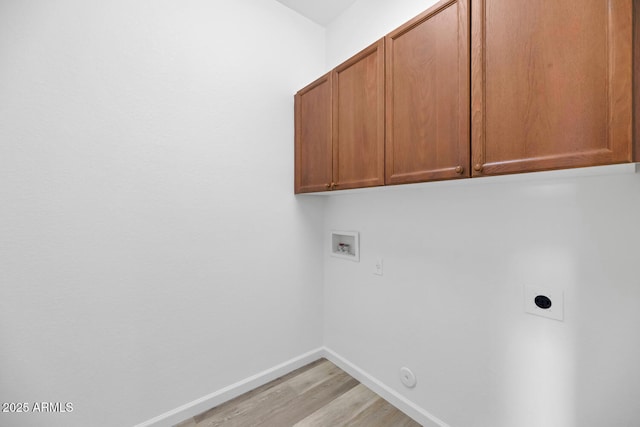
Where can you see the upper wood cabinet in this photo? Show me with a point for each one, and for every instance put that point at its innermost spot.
(551, 84)
(339, 119)
(313, 136)
(428, 96)
(474, 88)
(358, 120)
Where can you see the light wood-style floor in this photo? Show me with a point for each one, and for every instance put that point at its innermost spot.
(317, 395)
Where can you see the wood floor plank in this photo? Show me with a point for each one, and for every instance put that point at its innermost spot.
(323, 371)
(282, 404)
(309, 402)
(382, 414)
(317, 395)
(253, 411)
(188, 423)
(251, 394)
(341, 410)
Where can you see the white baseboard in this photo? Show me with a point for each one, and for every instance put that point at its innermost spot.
(225, 394)
(390, 395)
(202, 404)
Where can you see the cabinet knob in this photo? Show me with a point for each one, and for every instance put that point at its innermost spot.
(328, 186)
(477, 167)
(334, 185)
(459, 169)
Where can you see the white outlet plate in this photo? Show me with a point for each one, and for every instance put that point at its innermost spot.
(556, 311)
(377, 268)
(407, 377)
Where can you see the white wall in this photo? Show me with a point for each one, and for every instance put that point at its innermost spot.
(366, 22)
(450, 303)
(151, 248)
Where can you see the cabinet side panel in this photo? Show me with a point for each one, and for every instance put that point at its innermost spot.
(620, 36)
(313, 136)
(636, 79)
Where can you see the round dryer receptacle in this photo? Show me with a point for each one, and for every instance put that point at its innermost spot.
(543, 302)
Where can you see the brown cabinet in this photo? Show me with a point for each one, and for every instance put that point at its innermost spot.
(477, 87)
(358, 120)
(340, 126)
(636, 82)
(428, 96)
(313, 137)
(551, 84)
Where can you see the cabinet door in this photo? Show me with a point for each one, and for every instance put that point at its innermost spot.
(358, 120)
(551, 84)
(313, 147)
(428, 93)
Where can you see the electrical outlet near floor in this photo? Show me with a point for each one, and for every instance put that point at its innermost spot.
(407, 377)
(544, 302)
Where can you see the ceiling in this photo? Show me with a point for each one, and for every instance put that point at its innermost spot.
(321, 12)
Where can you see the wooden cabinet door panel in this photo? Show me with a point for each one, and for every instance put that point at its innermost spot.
(313, 136)
(427, 88)
(358, 120)
(551, 84)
